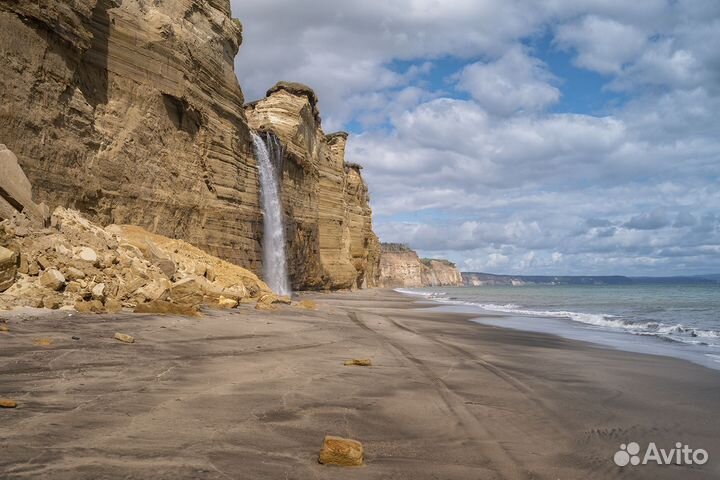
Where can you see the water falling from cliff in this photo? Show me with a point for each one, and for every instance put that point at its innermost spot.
(269, 155)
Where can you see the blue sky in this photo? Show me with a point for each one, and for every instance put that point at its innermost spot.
(517, 136)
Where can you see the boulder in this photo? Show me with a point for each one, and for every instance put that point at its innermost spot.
(52, 302)
(8, 268)
(113, 305)
(24, 266)
(125, 338)
(187, 291)
(5, 403)
(86, 254)
(224, 302)
(72, 273)
(271, 298)
(156, 256)
(52, 279)
(45, 262)
(157, 289)
(16, 191)
(341, 451)
(98, 291)
(90, 306)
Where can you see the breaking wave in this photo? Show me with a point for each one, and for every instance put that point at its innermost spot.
(669, 332)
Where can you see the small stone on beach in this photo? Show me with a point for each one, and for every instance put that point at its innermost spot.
(359, 362)
(124, 338)
(4, 403)
(43, 342)
(341, 451)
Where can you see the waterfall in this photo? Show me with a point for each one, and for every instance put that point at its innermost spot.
(269, 156)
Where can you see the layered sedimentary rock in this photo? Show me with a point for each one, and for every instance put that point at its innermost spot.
(440, 273)
(130, 112)
(401, 267)
(326, 201)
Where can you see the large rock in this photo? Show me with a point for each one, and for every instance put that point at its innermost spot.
(187, 292)
(8, 268)
(341, 451)
(87, 254)
(52, 279)
(16, 191)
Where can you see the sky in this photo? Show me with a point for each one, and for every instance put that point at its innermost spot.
(553, 137)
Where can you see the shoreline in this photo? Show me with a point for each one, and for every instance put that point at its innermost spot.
(562, 326)
(248, 394)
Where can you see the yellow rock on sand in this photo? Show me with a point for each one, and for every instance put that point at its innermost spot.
(271, 298)
(341, 451)
(360, 362)
(4, 328)
(124, 338)
(5, 403)
(43, 342)
(224, 302)
(307, 304)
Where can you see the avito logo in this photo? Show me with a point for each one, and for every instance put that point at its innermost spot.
(680, 455)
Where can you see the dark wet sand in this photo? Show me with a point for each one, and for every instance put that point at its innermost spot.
(248, 395)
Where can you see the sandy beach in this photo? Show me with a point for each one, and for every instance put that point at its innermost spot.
(248, 394)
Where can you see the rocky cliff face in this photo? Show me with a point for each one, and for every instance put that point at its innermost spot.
(130, 112)
(401, 267)
(438, 273)
(326, 199)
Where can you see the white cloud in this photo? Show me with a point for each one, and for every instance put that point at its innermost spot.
(514, 82)
(603, 44)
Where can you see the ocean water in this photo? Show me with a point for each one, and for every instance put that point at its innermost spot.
(674, 320)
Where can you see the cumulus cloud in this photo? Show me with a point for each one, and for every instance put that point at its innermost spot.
(514, 82)
(603, 44)
(485, 163)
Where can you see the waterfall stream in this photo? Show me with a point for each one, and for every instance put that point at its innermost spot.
(269, 155)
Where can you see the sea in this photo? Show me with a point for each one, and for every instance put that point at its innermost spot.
(681, 321)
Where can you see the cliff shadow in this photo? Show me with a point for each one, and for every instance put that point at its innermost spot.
(91, 77)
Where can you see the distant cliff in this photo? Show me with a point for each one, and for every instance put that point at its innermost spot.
(440, 273)
(400, 266)
(131, 112)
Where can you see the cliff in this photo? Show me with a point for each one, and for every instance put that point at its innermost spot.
(131, 113)
(440, 273)
(325, 198)
(401, 267)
